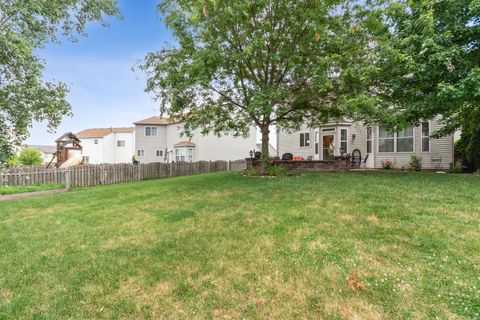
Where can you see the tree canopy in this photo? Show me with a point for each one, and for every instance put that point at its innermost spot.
(25, 26)
(426, 63)
(243, 63)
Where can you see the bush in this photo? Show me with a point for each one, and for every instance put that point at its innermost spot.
(415, 162)
(276, 171)
(467, 149)
(456, 167)
(27, 157)
(387, 164)
(252, 172)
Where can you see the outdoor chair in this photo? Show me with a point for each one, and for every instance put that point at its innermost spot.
(356, 158)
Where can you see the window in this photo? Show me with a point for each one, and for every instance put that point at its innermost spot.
(86, 159)
(401, 141)
(140, 153)
(190, 155)
(95, 141)
(386, 140)
(121, 143)
(405, 140)
(316, 141)
(304, 139)
(369, 140)
(159, 153)
(151, 131)
(426, 136)
(180, 154)
(343, 140)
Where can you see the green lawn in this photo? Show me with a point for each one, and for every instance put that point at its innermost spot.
(31, 188)
(224, 246)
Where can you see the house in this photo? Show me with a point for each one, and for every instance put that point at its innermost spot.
(159, 140)
(108, 145)
(342, 137)
(46, 151)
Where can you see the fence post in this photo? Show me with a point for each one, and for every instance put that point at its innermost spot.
(68, 180)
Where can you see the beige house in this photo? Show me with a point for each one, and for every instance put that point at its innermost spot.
(375, 144)
(159, 140)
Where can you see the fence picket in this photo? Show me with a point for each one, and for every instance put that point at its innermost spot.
(101, 174)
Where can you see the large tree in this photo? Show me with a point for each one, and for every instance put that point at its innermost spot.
(263, 63)
(25, 26)
(426, 63)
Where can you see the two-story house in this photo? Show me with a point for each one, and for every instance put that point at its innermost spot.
(107, 145)
(159, 140)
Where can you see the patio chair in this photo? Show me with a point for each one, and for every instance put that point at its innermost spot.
(356, 158)
(309, 158)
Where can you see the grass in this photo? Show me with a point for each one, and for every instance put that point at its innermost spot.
(223, 246)
(31, 188)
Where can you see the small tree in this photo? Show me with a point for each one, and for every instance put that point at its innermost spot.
(263, 63)
(29, 157)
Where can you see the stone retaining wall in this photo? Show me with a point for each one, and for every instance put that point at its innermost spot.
(339, 164)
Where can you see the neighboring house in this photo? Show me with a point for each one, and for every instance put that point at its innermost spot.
(46, 151)
(159, 140)
(107, 145)
(342, 137)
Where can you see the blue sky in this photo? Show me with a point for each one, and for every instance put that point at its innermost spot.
(104, 91)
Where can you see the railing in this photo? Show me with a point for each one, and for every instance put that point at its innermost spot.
(91, 175)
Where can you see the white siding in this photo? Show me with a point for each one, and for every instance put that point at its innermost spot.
(290, 142)
(439, 157)
(93, 151)
(106, 151)
(150, 144)
(209, 147)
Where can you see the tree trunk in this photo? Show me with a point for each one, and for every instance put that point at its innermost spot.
(265, 136)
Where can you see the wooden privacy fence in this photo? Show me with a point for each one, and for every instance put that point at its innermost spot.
(91, 175)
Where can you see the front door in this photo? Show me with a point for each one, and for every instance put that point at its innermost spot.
(328, 146)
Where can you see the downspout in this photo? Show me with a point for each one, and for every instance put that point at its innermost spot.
(278, 142)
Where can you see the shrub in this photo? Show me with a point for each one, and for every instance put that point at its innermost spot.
(27, 157)
(387, 164)
(456, 167)
(276, 171)
(415, 162)
(467, 149)
(251, 172)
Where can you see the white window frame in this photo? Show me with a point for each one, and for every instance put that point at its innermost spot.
(395, 142)
(426, 137)
(392, 137)
(406, 137)
(343, 141)
(159, 153)
(86, 159)
(304, 140)
(150, 129)
(190, 154)
(121, 143)
(95, 141)
(140, 153)
(369, 139)
(180, 154)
